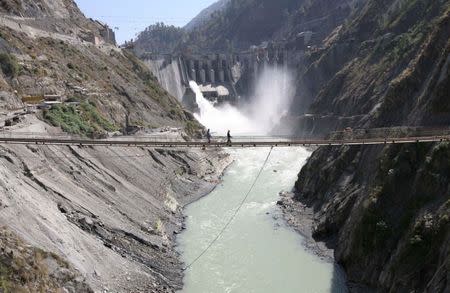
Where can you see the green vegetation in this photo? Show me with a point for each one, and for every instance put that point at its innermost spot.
(405, 43)
(9, 65)
(140, 69)
(193, 128)
(82, 120)
(236, 27)
(160, 38)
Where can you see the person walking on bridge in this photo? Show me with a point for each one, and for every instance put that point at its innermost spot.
(208, 136)
(229, 138)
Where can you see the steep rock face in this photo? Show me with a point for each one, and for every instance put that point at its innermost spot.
(388, 56)
(385, 210)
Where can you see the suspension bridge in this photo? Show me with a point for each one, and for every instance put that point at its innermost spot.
(357, 137)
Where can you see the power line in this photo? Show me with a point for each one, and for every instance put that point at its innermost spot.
(233, 216)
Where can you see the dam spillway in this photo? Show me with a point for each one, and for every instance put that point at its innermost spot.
(212, 72)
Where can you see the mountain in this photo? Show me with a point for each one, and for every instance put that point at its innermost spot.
(242, 24)
(205, 14)
(234, 25)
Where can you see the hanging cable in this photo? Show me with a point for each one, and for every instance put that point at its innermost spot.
(233, 216)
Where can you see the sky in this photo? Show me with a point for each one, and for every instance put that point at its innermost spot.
(129, 17)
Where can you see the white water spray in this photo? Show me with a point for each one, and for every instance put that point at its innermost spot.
(272, 97)
(220, 119)
(270, 102)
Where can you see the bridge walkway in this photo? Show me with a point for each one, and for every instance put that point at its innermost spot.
(238, 142)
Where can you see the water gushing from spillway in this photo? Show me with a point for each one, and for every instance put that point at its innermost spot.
(270, 100)
(223, 118)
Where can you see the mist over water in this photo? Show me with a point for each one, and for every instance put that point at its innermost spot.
(270, 101)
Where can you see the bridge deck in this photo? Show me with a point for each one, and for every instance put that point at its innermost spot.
(241, 142)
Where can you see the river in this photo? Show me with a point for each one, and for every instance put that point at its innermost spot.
(258, 252)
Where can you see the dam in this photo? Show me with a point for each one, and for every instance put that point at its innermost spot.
(221, 77)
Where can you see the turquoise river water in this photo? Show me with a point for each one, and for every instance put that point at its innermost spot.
(258, 252)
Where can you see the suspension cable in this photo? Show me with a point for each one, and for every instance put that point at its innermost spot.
(233, 216)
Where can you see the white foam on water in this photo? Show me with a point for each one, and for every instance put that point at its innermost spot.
(270, 101)
(221, 119)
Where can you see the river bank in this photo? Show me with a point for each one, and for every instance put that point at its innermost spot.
(301, 218)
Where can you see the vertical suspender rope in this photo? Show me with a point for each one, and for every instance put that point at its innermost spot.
(233, 216)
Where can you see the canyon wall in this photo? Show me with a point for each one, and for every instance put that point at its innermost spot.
(385, 210)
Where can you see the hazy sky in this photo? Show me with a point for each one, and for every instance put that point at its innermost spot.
(129, 17)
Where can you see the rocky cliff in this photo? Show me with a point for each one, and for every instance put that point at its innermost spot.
(27, 269)
(385, 210)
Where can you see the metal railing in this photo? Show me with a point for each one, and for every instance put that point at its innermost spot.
(348, 137)
(389, 133)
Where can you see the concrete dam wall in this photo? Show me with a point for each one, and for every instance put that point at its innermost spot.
(170, 73)
(221, 77)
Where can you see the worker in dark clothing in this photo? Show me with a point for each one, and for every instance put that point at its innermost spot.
(229, 138)
(208, 136)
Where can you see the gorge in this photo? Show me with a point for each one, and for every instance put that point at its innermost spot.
(369, 64)
(372, 218)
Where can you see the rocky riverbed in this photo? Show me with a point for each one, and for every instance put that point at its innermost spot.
(301, 218)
